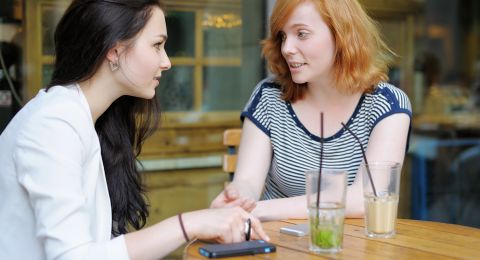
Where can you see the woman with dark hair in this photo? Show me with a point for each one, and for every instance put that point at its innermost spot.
(69, 186)
(326, 56)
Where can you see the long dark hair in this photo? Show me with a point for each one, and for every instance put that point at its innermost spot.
(87, 30)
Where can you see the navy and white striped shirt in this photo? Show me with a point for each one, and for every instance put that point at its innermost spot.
(296, 150)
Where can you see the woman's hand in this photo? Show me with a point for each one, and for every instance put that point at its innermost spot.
(224, 225)
(230, 197)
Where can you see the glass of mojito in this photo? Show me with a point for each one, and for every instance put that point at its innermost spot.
(326, 210)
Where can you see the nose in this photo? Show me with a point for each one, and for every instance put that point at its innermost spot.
(288, 47)
(165, 63)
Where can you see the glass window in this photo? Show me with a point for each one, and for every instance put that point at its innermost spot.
(222, 34)
(50, 17)
(219, 43)
(181, 33)
(175, 92)
(221, 88)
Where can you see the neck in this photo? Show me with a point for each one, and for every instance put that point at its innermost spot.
(325, 96)
(99, 94)
(336, 106)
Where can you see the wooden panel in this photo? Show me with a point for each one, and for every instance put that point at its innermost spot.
(190, 134)
(184, 142)
(229, 162)
(211, 4)
(172, 192)
(391, 8)
(231, 137)
(167, 142)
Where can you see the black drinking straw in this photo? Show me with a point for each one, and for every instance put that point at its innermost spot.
(364, 158)
(321, 161)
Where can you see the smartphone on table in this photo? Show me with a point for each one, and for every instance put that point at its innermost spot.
(298, 230)
(237, 249)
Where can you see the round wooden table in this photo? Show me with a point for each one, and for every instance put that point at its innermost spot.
(414, 240)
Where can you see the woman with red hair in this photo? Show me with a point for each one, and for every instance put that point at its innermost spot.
(326, 56)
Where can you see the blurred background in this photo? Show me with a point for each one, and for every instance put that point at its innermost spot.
(215, 52)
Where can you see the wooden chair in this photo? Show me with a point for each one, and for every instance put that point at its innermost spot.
(231, 139)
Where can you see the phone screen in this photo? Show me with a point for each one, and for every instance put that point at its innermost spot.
(236, 249)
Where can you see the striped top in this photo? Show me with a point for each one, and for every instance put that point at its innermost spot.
(296, 150)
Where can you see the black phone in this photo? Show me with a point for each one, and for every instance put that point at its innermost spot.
(236, 249)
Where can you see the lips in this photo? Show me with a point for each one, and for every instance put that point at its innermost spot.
(295, 65)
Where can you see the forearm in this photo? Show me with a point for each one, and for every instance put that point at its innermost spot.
(296, 207)
(247, 189)
(155, 242)
(277, 209)
(354, 202)
(254, 158)
(354, 207)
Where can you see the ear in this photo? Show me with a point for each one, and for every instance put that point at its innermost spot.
(113, 53)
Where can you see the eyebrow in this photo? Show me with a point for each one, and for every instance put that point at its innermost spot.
(164, 36)
(299, 25)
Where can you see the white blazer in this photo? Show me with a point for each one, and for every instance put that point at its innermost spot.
(54, 201)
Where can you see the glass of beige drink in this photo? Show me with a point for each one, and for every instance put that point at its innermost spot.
(381, 199)
(325, 218)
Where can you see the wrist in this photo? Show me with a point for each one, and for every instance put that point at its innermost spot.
(259, 211)
(182, 227)
(190, 225)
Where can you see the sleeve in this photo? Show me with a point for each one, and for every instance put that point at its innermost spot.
(48, 162)
(258, 108)
(388, 101)
(391, 100)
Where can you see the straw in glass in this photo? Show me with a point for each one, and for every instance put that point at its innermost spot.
(364, 158)
(321, 161)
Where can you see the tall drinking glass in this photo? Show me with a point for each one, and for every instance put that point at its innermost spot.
(326, 217)
(381, 208)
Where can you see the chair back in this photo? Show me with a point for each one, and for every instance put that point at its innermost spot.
(231, 139)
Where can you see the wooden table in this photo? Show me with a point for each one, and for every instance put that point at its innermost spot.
(414, 240)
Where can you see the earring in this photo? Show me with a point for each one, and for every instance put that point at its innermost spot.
(113, 66)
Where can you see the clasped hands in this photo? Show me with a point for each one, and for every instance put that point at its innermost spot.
(230, 197)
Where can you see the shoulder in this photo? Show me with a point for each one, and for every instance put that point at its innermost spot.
(267, 90)
(264, 104)
(66, 103)
(387, 94)
(268, 86)
(58, 109)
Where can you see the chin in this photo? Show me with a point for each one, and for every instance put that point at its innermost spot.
(299, 80)
(145, 94)
(148, 92)
(150, 95)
